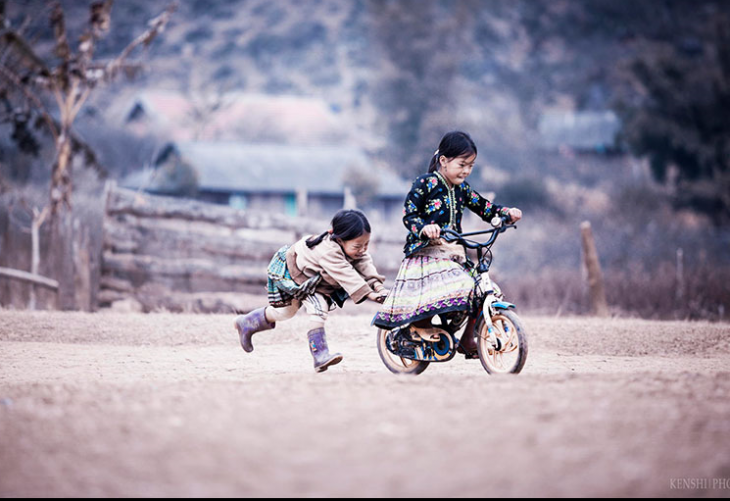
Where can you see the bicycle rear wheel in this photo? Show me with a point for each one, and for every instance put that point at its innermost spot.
(394, 363)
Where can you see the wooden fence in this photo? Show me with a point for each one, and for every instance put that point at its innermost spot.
(46, 266)
(181, 255)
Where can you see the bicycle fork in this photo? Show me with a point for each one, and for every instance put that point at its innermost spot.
(491, 304)
(487, 312)
(485, 289)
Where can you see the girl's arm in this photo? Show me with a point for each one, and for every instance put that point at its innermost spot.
(414, 206)
(481, 206)
(345, 274)
(366, 268)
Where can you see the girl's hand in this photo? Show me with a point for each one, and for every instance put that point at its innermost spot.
(432, 231)
(514, 214)
(378, 297)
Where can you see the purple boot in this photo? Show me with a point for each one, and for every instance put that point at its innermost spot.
(320, 351)
(251, 323)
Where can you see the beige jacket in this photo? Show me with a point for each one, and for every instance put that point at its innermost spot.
(358, 277)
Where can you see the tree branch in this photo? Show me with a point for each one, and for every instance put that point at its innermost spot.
(20, 47)
(63, 50)
(157, 25)
(12, 78)
(100, 18)
(90, 159)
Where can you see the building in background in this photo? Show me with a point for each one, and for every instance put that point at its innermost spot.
(295, 180)
(580, 131)
(232, 116)
(286, 154)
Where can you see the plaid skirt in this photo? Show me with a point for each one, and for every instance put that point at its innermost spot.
(279, 283)
(425, 286)
(278, 275)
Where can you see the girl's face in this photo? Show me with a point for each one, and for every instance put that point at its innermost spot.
(457, 169)
(357, 247)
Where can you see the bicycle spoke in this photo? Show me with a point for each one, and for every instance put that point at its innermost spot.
(511, 343)
(499, 360)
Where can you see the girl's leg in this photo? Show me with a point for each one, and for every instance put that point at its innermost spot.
(274, 315)
(262, 319)
(318, 309)
(468, 343)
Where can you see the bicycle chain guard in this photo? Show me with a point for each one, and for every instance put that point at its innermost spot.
(424, 344)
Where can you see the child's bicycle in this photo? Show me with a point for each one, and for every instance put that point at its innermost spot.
(501, 337)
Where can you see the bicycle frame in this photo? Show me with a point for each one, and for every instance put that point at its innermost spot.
(489, 297)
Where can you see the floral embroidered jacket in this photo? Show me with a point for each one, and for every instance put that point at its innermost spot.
(432, 200)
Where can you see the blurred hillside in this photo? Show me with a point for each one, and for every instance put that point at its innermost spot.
(397, 74)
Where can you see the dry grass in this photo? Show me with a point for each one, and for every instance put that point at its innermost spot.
(705, 294)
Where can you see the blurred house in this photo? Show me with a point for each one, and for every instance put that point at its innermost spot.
(233, 116)
(579, 131)
(286, 154)
(295, 180)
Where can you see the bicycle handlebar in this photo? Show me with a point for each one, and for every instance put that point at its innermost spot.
(452, 236)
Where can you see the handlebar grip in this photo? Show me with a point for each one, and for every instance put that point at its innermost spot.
(449, 235)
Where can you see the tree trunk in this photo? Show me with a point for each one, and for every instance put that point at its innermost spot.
(61, 184)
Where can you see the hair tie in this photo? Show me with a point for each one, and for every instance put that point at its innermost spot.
(435, 152)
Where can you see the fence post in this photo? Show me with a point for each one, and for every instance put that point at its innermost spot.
(679, 292)
(349, 201)
(60, 259)
(302, 197)
(81, 266)
(38, 218)
(599, 305)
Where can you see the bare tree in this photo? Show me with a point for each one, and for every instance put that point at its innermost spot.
(207, 98)
(69, 82)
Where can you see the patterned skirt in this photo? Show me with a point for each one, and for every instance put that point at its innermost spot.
(425, 286)
(282, 289)
(278, 278)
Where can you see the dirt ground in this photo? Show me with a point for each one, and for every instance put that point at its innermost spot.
(135, 405)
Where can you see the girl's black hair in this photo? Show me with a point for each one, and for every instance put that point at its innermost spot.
(347, 224)
(454, 144)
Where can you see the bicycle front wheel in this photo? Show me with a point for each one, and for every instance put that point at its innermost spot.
(510, 354)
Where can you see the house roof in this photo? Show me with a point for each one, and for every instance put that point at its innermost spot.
(585, 130)
(233, 116)
(273, 168)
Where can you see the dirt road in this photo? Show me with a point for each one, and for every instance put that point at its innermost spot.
(116, 405)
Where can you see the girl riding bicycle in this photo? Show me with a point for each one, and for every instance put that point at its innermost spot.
(431, 280)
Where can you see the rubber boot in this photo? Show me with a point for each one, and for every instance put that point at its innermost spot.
(249, 324)
(320, 351)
